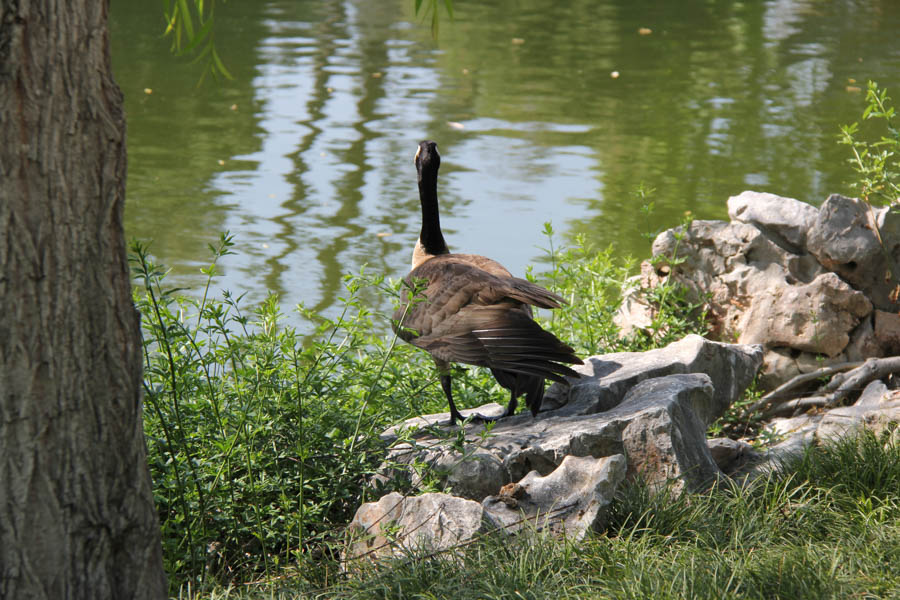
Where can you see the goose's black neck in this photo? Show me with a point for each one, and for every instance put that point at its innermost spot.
(427, 163)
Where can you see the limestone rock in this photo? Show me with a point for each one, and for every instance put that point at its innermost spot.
(800, 281)
(635, 313)
(761, 293)
(653, 407)
(665, 439)
(796, 434)
(816, 317)
(873, 395)
(876, 414)
(843, 239)
(732, 455)
(397, 525)
(842, 235)
(887, 331)
(729, 265)
(738, 254)
(607, 377)
(784, 220)
(781, 364)
(572, 499)
(876, 409)
(864, 343)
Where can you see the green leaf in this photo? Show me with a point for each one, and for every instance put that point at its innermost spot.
(186, 18)
(202, 54)
(220, 65)
(204, 32)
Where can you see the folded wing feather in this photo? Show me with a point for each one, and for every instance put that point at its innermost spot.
(480, 315)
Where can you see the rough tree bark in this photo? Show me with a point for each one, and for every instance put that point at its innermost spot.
(76, 508)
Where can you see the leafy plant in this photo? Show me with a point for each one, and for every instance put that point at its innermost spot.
(877, 163)
(591, 282)
(738, 421)
(260, 442)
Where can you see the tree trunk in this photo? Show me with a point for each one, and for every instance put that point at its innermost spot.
(76, 507)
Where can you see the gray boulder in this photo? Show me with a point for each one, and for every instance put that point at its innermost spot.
(607, 377)
(399, 525)
(653, 407)
(663, 434)
(784, 220)
(844, 241)
(731, 456)
(571, 500)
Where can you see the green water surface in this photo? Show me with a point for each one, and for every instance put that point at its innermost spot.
(543, 110)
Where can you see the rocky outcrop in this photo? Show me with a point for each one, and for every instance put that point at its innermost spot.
(815, 317)
(606, 378)
(808, 284)
(799, 288)
(785, 223)
(844, 240)
(630, 415)
(571, 500)
(653, 407)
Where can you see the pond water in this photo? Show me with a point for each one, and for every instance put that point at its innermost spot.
(542, 110)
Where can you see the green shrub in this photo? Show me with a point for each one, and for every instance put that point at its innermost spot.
(593, 282)
(877, 163)
(259, 440)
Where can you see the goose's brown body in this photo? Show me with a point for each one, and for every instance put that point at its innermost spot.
(471, 310)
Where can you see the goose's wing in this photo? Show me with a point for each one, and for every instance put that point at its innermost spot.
(444, 285)
(502, 337)
(500, 285)
(470, 310)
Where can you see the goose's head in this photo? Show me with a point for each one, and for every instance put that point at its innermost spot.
(427, 158)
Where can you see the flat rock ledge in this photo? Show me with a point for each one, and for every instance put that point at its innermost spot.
(631, 414)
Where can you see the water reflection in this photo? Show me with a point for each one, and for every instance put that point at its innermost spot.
(307, 155)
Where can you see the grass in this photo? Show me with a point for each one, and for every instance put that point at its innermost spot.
(813, 529)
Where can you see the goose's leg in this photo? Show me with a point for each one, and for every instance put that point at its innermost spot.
(513, 403)
(454, 413)
(510, 410)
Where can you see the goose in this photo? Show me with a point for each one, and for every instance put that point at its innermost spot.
(465, 308)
